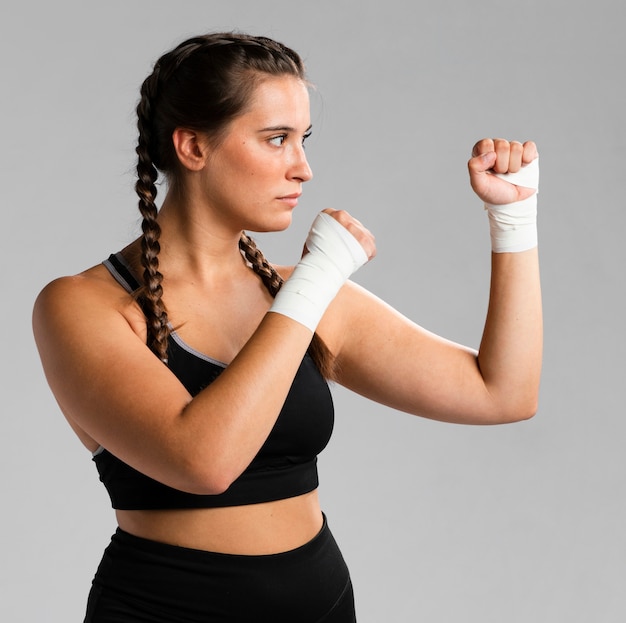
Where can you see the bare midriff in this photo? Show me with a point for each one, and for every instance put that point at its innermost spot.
(254, 529)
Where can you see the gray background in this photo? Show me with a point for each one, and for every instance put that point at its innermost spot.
(438, 523)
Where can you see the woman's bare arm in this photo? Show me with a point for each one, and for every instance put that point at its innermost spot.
(112, 387)
(384, 356)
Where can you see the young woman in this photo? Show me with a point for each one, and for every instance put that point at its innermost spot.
(199, 383)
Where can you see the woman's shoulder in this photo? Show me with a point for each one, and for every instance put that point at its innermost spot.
(92, 294)
(93, 283)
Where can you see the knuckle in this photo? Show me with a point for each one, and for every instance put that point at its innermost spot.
(501, 144)
(343, 217)
(483, 145)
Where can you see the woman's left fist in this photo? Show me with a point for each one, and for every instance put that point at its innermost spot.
(498, 155)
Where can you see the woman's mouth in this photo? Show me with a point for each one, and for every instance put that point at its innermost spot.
(290, 200)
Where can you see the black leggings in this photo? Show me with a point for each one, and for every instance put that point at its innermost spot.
(139, 580)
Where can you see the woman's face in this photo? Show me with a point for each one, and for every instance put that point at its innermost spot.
(254, 177)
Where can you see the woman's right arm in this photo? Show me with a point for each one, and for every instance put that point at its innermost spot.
(111, 386)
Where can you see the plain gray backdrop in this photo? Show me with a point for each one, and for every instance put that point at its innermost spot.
(438, 523)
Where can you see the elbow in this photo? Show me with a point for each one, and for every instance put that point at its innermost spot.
(205, 465)
(523, 415)
(206, 484)
(532, 410)
(214, 486)
(520, 412)
(209, 479)
(528, 409)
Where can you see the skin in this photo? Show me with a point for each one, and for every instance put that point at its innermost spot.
(92, 337)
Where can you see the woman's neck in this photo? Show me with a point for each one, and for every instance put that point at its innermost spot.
(193, 243)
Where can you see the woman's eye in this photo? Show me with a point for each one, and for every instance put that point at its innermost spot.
(278, 140)
(305, 137)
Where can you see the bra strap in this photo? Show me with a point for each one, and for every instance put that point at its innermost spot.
(121, 272)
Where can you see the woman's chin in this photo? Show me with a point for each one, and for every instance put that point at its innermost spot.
(278, 224)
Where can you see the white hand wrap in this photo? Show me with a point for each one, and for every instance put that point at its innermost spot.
(334, 254)
(513, 226)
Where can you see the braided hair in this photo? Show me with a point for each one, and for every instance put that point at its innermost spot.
(202, 84)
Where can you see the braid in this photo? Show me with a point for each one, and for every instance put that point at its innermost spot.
(150, 296)
(271, 279)
(320, 353)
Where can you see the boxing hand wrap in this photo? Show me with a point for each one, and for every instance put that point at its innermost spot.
(333, 255)
(513, 226)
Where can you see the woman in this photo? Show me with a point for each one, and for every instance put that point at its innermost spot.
(201, 392)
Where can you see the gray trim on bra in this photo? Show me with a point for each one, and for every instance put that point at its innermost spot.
(116, 274)
(179, 340)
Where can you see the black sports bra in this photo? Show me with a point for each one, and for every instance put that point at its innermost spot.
(286, 464)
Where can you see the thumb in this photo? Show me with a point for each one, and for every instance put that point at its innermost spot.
(478, 167)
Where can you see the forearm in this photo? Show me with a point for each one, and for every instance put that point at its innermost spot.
(511, 348)
(225, 425)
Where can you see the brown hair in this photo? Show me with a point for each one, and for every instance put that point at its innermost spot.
(202, 84)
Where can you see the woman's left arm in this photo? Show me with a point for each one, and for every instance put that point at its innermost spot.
(384, 356)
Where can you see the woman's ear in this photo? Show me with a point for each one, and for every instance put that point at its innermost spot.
(191, 148)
